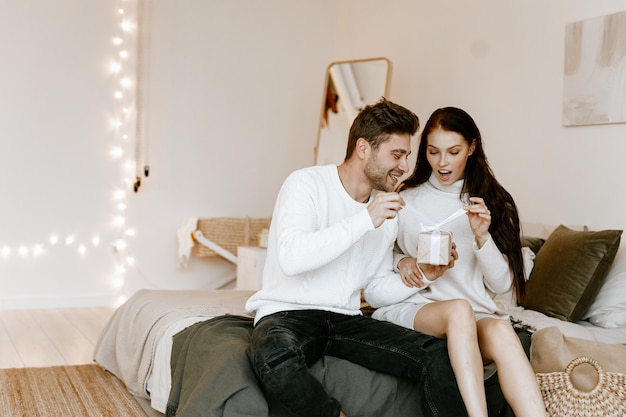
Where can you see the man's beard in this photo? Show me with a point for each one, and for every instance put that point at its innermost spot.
(377, 176)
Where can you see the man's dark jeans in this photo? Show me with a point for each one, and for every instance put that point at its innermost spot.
(285, 344)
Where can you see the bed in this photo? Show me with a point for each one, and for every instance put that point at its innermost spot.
(186, 351)
(152, 341)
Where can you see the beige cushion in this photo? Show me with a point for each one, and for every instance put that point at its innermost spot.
(569, 270)
(551, 351)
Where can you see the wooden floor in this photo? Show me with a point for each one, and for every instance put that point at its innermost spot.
(37, 338)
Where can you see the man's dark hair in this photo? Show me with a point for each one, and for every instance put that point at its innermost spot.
(376, 122)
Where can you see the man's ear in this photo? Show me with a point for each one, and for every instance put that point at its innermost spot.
(362, 147)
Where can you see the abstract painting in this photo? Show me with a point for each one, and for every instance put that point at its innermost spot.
(594, 90)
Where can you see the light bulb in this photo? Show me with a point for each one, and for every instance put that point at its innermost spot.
(119, 194)
(119, 221)
(117, 152)
(38, 250)
(120, 245)
(116, 123)
(127, 25)
(82, 249)
(115, 67)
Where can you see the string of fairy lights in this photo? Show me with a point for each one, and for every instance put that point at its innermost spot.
(124, 149)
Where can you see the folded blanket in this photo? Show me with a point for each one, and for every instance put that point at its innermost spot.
(212, 376)
(127, 344)
(211, 371)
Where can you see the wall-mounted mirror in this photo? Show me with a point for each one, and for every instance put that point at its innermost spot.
(349, 86)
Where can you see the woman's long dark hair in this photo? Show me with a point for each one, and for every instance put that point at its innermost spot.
(479, 182)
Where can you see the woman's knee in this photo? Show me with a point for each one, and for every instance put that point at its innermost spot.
(497, 335)
(460, 313)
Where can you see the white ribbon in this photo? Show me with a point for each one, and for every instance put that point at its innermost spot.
(448, 219)
(435, 246)
(435, 237)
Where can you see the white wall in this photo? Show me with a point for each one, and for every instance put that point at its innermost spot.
(235, 90)
(55, 172)
(235, 98)
(503, 63)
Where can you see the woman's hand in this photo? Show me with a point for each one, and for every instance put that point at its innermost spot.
(480, 218)
(411, 273)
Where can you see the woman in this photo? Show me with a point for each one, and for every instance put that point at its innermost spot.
(452, 174)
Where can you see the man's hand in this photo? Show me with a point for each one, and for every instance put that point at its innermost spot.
(384, 206)
(412, 276)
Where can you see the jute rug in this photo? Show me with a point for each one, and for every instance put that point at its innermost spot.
(83, 390)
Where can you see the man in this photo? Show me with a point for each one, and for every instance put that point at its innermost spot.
(333, 229)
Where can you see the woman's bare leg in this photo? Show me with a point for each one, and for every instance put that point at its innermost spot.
(454, 320)
(499, 343)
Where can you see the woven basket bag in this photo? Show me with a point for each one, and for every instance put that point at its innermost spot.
(562, 399)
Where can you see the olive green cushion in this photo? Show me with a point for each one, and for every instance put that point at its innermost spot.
(569, 270)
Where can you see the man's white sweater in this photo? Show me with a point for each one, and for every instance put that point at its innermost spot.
(322, 247)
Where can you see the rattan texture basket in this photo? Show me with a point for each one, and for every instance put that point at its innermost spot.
(562, 398)
(230, 232)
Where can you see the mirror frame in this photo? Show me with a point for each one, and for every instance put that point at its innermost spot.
(324, 94)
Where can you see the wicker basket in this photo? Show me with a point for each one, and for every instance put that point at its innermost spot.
(606, 399)
(230, 232)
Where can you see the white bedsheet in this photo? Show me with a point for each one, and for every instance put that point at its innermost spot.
(581, 329)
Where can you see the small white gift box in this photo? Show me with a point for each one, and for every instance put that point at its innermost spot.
(434, 247)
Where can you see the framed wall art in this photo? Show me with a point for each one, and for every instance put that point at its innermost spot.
(594, 89)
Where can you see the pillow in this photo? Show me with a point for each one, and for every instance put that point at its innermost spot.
(569, 270)
(551, 351)
(609, 308)
(533, 243)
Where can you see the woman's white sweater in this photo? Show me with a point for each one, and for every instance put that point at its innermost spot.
(477, 275)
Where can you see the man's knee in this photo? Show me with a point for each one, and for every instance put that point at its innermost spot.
(275, 354)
